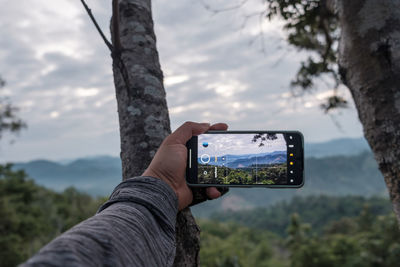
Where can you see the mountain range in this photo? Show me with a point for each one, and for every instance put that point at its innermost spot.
(356, 175)
(341, 146)
(95, 175)
(246, 160)
(338, 167)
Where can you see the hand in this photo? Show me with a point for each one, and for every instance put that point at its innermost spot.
(169, 163)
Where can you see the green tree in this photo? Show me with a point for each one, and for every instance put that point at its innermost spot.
(376, 246)
(9, 121)
(31, 216)
(319, 211)
(355, 42)
(232, 245)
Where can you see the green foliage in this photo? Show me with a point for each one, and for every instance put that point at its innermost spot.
(366, 239)
(227, 244)
(377, 245)
(31, 216)
(334, 176)
(339, 231)
(311, 26)
(318, 211)
(224, 245)
(8, 119)
(263, 137)
(263, 174)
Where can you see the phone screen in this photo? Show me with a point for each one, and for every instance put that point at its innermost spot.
(263, 158)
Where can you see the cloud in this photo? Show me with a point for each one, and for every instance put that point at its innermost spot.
(59, 72)
(177, 79)
(238, 144)
(86, 92)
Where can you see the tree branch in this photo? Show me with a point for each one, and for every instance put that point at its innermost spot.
(230, 8)
(109, 45)
(116, 50)
(115, 24)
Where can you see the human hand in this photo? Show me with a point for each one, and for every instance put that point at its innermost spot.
(169, 163)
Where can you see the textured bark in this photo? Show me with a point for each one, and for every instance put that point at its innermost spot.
(188, 240)
(369, 61)
(142, 108)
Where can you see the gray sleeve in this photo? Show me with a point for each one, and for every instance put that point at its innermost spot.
(135, 227)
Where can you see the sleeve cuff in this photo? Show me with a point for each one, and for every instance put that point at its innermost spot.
(152, 193)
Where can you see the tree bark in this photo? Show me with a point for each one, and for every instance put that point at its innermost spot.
(369, 64)
(142, 107)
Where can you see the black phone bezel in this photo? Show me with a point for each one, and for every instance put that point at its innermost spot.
(298, 159)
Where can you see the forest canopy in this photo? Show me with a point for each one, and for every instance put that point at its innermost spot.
(358, 231)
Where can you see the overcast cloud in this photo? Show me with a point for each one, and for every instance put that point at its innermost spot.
(58, 71)
(238, 144)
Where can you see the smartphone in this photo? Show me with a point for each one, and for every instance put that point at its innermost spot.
(246, 159)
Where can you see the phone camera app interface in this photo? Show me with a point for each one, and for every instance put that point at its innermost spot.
(242, 159)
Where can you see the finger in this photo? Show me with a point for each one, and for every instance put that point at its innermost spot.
(187, 130)
(213, 193)
(219, 126)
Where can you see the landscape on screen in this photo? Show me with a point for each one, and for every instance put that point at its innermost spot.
(264, 164)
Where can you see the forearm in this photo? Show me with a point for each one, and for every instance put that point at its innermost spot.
(136, 227)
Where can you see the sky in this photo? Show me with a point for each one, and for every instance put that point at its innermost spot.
(217, 67)
(237, 144)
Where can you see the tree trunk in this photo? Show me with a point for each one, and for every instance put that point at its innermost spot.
(369, 63)
(142, 108)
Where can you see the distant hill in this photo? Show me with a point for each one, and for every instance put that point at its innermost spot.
(342, 146)
(240, 161)
(346, 173)
(96, 175)
(335, 176)
(318, 210)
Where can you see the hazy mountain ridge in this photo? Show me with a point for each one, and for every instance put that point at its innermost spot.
(246, 160)
(95, 175)
(342, 146)
(266, 159)
(335, 175)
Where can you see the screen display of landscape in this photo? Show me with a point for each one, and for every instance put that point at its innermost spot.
(242, 159)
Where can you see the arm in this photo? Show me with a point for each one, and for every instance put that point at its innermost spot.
(136, 227)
